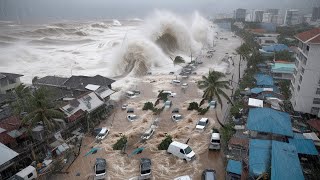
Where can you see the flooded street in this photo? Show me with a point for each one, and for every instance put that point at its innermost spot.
(164, 166)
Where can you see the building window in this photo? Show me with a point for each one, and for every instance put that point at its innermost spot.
(295, 72)
(308, 47)
(277, 75)
(316, 101)
(298, 87)
(315, 110)
(297, 63)
(318, 91)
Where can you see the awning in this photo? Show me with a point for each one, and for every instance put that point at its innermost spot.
(255, 102)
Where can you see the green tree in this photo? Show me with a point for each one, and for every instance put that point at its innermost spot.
(285, 89)
(284, 55)
(148, 106)
(214, 86)
(178, 60)
(120, 144)
(165, 143)
(22, 95)
(41, 109)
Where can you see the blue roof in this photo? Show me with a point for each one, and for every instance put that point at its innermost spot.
(269, 121)
(256, 90)
(303, 146)
(285, 162)
(283, 67)
(259, 156)
(234, 167)
(275, 48)
(263, 80)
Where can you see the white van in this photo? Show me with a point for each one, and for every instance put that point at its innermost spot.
(215, 141)
(182, 151)
(102, 134)
(176, 82)
(27, 173)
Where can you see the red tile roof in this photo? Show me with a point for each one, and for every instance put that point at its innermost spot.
(76, 115)
(311, 36)
(315, 123)
(6, 139)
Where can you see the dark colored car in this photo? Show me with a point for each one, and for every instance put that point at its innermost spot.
(145, 168)
(100, 168)
(208, 174)
(96, 131)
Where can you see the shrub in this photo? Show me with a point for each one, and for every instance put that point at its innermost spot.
(203, 111)
(215, 130)
(165, 143)
(178, 60)
(147, 106)
(226, 132)
(193, 106)
(120, 144)
(157, 111)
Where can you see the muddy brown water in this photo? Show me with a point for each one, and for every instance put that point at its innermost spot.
(164, 166)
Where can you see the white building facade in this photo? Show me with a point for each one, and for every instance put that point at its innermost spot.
(292, 17)
(305, 84)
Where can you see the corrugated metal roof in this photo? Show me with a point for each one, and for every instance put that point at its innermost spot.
(285, 162)
(259, 156)
(303, 146)
(309, 36)
(283, 67)
(275, 48)
(6, 154)
(234, 167)
(263, 80)
(315, 123)
(269, 121)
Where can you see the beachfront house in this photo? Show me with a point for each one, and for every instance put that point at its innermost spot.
(9, 81)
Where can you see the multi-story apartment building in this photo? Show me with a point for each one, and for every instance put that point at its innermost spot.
(292, 17)
(240, 14)
(258, 15)
(315, 14)
(305, 84)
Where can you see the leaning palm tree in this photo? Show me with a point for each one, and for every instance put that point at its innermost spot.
(41, 110)
(22, 94)
(214, 86)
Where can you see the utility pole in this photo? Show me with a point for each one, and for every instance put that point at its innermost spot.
(239, 69)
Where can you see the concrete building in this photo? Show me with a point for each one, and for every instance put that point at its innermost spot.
(292, 17)
(8, 82)
(273, 11)
(315, 13)
(266, 17)
(240, 14)
(258, 15)
(271, 16)
(282, 70)
(305, 84)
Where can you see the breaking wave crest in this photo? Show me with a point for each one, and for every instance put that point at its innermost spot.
(164, 34)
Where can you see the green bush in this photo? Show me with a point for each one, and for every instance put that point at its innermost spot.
(157, 111)
(203, 111)
(234, 111)
(178, 60)
(163, 96)
(165, 143)
(215, 130)
(120, 144)
(193, 106)
(148, 106)
(226, 132)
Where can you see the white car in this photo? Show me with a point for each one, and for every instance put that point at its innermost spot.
(215, 141)
(176, 117)
(132, 117)
(148, 133)
(184, 85)
(102, 134)
(175, 81)
(100, 168)
(202, 124)
(124, 106)
(186, 177)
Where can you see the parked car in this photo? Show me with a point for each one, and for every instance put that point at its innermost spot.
(175, 110)
(171, 73)
(145, 168)
(212, 104)
(176, 117)
(102, 134)
(130, 94)
(208, 174)
(170, 93)
(167, 104)
(100, 168)
(186, 177)
(175, 81)
(132, 117)
(215, 141)
(96, 131)
(146, 135)
(130, 110)
(202, 124)
(182, 151)
(124, 106)
(184, 85)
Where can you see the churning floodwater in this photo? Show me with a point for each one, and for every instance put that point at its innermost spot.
(107, 47)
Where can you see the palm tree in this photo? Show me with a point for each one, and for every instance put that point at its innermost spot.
(22, 94)
(41, 110)
(214, 86)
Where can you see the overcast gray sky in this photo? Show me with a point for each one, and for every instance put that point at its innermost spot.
(55, 10)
